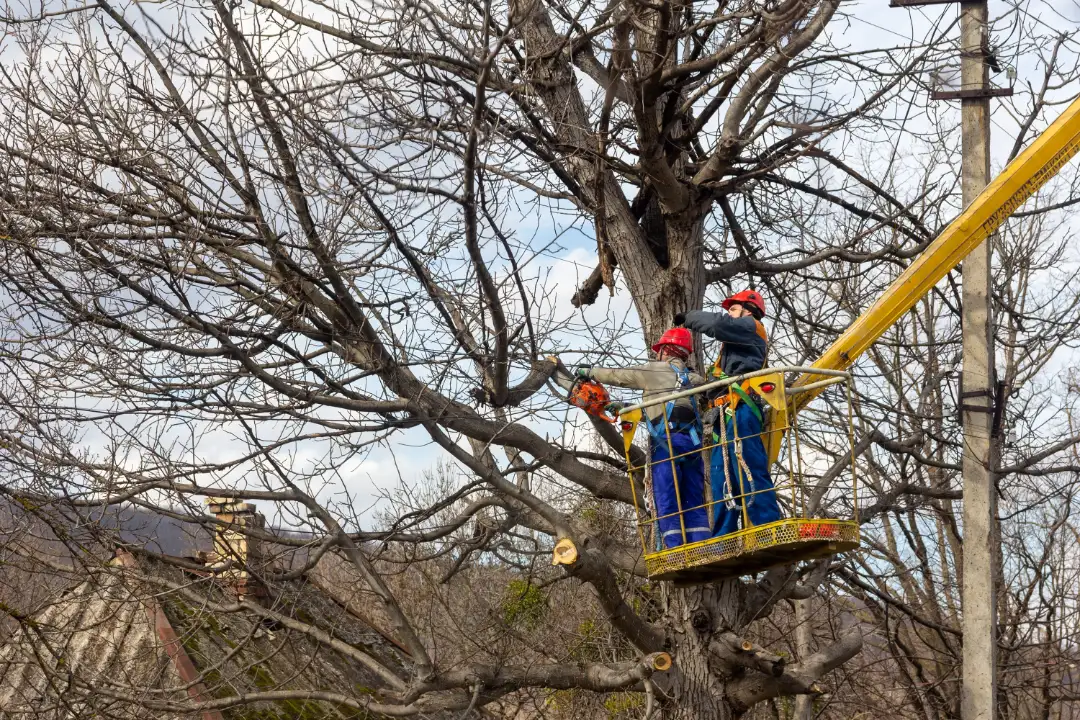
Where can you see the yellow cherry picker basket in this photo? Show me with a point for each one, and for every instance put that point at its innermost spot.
(818, 505)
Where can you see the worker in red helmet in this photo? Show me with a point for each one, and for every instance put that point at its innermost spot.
(676, 467)
(746, 485)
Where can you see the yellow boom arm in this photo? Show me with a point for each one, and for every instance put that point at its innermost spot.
(1024, 175)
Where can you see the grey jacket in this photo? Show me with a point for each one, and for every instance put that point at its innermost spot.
(654, 379)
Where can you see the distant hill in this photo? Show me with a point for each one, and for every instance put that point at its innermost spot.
(157, 533)
(127, 523)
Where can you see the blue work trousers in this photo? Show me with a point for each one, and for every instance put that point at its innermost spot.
(761, 507)
(689, 472)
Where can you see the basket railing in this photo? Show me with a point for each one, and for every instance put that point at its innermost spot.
(780, 437)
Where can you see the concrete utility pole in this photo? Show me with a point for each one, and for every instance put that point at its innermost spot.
(979, 692)
(804, 635)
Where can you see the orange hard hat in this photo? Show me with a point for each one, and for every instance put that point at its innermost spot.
(746, 297)
(676, 338)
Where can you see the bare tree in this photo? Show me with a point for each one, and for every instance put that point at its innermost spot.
(248, 243)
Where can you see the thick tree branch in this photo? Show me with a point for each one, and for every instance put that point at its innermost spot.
(595, 677)
(733, 133)
(590, 289)
(540, 373)
(594, 568)
(797, 679)
(735, 651)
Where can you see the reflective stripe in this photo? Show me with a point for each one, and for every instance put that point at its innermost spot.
(688, 531)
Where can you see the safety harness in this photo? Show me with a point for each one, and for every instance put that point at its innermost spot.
(727, 405)
(744, 393)
(659, 427)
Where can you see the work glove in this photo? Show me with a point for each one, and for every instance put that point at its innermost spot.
(614, 407)
(583, 371)
(680, 318)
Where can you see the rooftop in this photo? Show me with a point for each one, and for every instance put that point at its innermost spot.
(165, 637)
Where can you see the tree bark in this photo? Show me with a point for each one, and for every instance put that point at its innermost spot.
(700, 617)
(659, 293)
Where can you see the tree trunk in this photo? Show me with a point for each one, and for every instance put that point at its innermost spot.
(697, 620)
(695, 615)
(658, 244)
(661, 293)
(661, 256)
(698, 692)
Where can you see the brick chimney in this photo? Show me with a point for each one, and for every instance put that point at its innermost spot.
(233, 547)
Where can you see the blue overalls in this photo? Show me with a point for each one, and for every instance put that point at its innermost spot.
(684, 435)
(761, 507)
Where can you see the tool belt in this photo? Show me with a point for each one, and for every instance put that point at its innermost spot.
(736, 393)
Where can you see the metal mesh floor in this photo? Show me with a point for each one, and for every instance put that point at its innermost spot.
(754, 549)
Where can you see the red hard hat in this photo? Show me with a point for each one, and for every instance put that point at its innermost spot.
(746, 297)
(676, 337)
